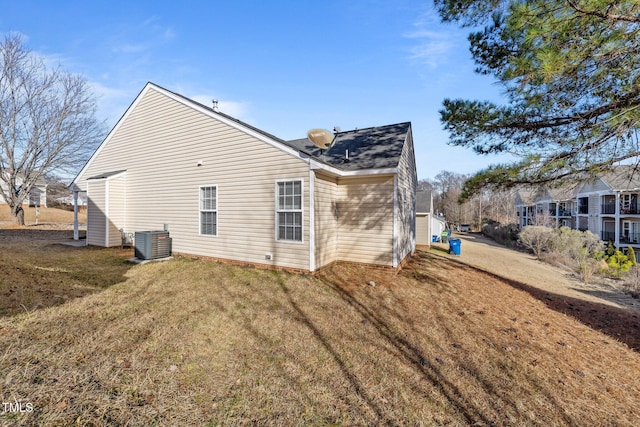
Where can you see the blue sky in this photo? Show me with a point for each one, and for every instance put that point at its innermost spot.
(282, 66)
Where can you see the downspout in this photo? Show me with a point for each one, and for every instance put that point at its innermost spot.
(413, 224)
(312, 220)
(617, 224)
(106, 213)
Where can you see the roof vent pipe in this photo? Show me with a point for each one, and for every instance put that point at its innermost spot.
(346, 155)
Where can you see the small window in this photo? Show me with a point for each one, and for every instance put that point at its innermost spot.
(289, 210)
(209, 210)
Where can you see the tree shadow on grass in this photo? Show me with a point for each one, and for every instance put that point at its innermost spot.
(345, 332)
(38, 273)
(618, 323)
(425, 355)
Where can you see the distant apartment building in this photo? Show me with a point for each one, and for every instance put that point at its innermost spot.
(607, 206)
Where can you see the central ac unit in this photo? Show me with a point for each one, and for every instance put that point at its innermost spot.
(152, 244)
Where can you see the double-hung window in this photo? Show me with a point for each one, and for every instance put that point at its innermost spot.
(209, 210)
(289, 210)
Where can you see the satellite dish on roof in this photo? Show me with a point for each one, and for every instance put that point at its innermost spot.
(321, 138)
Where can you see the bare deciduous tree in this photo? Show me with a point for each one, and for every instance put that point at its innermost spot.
(425, 184)
(47, 122)
(448, 186)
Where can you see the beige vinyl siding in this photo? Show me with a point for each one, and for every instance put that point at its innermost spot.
(96, 212)
(116, 188)
(160, 143)
(365, 219)
(326, 221)
(423, 232)
(406, 192)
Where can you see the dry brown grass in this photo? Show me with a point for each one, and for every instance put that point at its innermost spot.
(37, 273)
(189, 342)
(46, 216)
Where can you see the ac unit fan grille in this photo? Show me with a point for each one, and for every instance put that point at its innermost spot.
(152, 244)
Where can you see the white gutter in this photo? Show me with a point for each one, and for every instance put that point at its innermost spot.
(315, 165)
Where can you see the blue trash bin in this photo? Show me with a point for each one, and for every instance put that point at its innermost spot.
(454, 246)
(434, 238)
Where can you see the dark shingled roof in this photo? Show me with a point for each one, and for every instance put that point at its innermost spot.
(423, 201)
(371, 148)
(306, 146)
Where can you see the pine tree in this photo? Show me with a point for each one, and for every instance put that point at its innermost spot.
(631, 254)
(570, 70)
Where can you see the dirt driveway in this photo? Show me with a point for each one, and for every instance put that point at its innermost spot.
(483, 253)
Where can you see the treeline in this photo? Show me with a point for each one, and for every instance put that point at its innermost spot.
(485, 206)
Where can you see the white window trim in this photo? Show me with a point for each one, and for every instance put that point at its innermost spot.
(200, 210)
(276, 211)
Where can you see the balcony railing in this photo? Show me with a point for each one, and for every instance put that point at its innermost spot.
(608, 235)
(561, 212)
(608, 208)
(630, 238)
(629, 210)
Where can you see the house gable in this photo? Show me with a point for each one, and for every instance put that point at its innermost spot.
(523, 198)
(78, 182)
(594, 185)
(171, 149)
